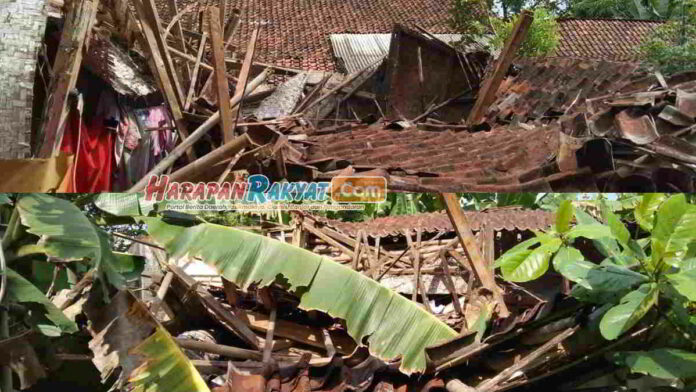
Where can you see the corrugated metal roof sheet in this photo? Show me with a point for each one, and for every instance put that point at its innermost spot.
(356, 51)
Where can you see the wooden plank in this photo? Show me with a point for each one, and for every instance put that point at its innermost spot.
(221, 85)
(66, 67)
(490, 86)
(152, 16)
(237, 325)
(246, 70)
(179, 33)
(466, 237)
(159, 69)
(194, 73)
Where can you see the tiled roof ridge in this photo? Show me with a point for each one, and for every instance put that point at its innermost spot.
(562, 19)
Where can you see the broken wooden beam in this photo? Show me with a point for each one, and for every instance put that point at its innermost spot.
(220, 74)
(244, 76)
(220, 349)
(466, 237)
(227, 150)
(159, 67)
(194, 73)
(66, 67)
(486, 94)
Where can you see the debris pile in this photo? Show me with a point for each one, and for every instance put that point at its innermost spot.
(426, 116)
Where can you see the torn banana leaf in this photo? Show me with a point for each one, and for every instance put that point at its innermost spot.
(127, 339)
(393, 326)
(165, 367)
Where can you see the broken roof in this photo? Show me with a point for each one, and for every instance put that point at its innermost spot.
(498, 219)
(605, 39)
(502, 159)
(552, 85)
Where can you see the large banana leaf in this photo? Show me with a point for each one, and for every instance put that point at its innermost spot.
(394, 326)
(65, 232)
(44, 315)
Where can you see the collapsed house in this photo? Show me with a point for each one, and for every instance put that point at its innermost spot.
(156, 88)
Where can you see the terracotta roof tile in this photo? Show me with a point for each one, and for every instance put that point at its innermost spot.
(506, 218)
(503, 158)
(606, 39)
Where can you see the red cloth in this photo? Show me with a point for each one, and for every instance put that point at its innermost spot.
(93, 158)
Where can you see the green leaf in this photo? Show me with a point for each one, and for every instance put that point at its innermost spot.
(593, 231)
(684, 282)
(602, 284)
(531, 263)
(666, 363)
(570, 263)
(675, 229)
(607, 246)
(124, 204)
(629, 311)
(645, 212)
(165, 367)
(564, 216)
(518, 250)
(617, 228)
(43, 315)
(66, 233)
(393, 325)
(5, 199)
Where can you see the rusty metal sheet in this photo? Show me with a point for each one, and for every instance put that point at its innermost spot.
(499, 219)
(636, 127)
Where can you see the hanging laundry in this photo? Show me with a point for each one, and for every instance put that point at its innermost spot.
(92, 145)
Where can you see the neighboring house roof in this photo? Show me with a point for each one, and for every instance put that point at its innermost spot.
(498, 219)
(295, 33)
(355, 52)
(605, 39)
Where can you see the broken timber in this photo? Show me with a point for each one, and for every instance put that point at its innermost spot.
(243, 77)
(66, 67)
(483, 270)
(486, 95)
(220, 74)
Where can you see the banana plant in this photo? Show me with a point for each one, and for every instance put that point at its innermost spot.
(392, 326)
(650, 272)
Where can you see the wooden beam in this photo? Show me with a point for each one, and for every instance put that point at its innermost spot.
(229, 319)
(66, 67)
(244, 73)
(194, 73)
(159, 69)
(466, 237)
(486, 94)
(178, 31)
(221, 85)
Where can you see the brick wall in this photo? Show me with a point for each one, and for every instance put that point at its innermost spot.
(22, 25)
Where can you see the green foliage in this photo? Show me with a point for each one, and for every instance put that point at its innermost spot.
(470, 18)
(648, 275)
(542, 37)
(672, 47)
(624, 9)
